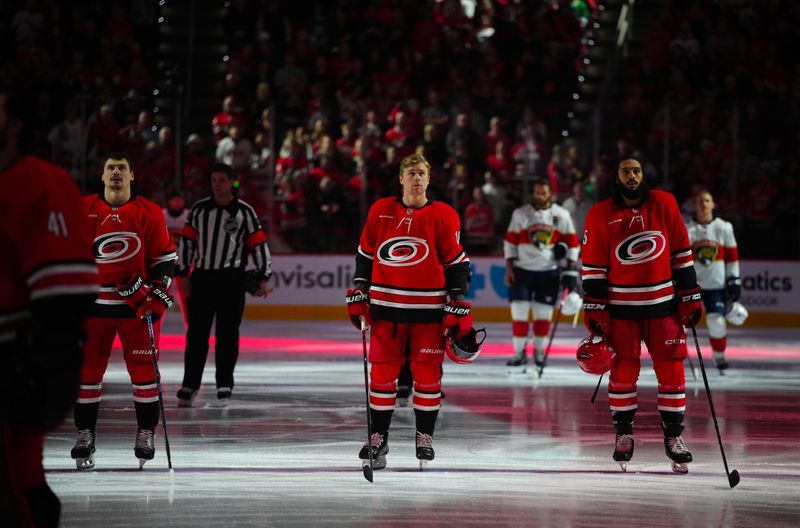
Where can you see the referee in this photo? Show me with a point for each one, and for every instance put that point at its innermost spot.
(219, 233)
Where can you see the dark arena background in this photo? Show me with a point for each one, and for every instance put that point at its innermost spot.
(314, 104)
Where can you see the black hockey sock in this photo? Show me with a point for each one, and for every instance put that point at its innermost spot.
(623, 421)
(671, 423)
(426, 421)
(381, 420)
(85, 415)
(146, 414)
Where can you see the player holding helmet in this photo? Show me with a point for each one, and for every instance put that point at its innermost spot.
(641, 286)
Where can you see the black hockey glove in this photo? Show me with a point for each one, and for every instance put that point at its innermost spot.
(569, 279)
(733, 289)
(560, 250)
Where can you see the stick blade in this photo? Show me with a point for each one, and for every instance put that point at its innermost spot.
(733, 478)
(368, 473)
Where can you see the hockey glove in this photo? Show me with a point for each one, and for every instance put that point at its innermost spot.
(560, 250)
(157, 302)
(690, 307)
(358, 307)
(733, 289)
(569, 279)
(457, 320)
(596, 316)
(134, 291)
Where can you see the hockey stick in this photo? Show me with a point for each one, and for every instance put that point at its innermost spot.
(552, 333)
(158, 386)
(733, 476)
(594, 395)
(367, 469)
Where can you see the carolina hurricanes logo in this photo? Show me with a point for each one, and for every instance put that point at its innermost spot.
(116, 247)
(403, 251)
(641, 247)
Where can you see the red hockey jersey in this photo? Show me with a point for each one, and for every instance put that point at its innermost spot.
(405, 254)
(45, 243)
(129, 240)
(631, 255)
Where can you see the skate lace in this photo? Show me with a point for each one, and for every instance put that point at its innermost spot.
(144, 438)
(676, 445)
(624, 443)
(424, 440)
(85, 438)
(376, 439)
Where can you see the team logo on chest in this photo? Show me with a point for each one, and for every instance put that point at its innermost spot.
(641, 247)
(116, 247)
(705, 252)
(403, 251)
(541, 235)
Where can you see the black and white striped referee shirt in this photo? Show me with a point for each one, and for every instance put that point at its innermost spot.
(218, 237)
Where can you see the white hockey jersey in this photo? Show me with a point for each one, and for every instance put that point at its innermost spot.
(716, 256)
(532, 233)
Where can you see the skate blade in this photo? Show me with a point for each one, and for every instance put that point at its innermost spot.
(143, 461)
(377, 463)
(516, 371)
(681, 469)
(623, 466)
(423, 464)
(84, 463)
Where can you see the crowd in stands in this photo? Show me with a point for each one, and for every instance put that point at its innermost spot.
(321, 100)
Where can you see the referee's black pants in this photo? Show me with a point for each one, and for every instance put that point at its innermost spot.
(220, 294)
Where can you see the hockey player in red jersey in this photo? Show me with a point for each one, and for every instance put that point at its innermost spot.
(641, 286)
(540, 235)
(136, 258)
(716, 261)
(410, 280)
(48, 280)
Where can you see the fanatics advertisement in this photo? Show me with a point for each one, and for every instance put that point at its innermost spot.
(313, 286)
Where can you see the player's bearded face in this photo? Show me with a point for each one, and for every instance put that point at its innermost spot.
(630, 179)
(541, 196)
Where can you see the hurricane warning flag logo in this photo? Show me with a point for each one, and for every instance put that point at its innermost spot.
(403, 251)
(641, 247)
(116, 247)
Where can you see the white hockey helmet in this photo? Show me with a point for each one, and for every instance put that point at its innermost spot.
(572, 303)
(737, 314)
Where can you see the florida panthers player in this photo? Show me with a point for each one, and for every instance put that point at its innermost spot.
(538, 237)
(135, 256)
(716, 261)
(641, 286)
(410, 280)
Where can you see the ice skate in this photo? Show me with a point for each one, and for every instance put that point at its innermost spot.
(517, 365)
(677, 452)
(186, 396)
(83, 450)
(424, 449)
(720, 362)
(380, 446)
(145, 448)
(623, 450)
(538, 360)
